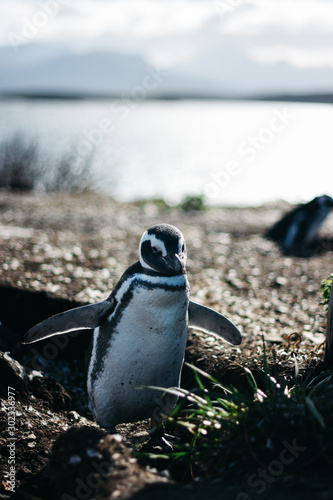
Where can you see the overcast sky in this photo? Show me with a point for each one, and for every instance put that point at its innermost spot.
(177, 33)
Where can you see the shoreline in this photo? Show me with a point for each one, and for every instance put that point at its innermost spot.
(312, 98)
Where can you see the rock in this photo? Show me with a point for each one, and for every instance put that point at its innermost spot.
(89, 463)
(12, 375)
(53, 393)
(280, 281)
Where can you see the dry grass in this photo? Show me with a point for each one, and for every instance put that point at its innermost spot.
(23, 167)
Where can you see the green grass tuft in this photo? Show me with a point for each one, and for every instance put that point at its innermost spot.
(193, 203)
(226, 432)
(325, 286)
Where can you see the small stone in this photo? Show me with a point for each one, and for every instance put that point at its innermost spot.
(75, 459)
(73, 416)
(280, 281)
(117, 437)
(93, 453)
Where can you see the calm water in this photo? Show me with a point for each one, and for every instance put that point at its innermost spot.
(233, 152)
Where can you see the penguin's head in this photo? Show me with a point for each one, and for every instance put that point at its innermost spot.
(162, 249)
(325, 201)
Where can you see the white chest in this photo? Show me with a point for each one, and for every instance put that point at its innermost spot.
(147, 345)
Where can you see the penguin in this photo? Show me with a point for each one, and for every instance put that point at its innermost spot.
(140, 332)
(297, 231)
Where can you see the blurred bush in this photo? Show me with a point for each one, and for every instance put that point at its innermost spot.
(193, 203)
(19, 164)
(24, 168)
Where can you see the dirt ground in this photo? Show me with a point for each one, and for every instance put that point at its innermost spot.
(59, 251)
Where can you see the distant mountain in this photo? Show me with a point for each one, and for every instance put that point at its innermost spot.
(38, 70)
(230, 71)
(93, 74)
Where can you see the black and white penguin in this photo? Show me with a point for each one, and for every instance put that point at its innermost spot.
(140, 332)
(297, 231)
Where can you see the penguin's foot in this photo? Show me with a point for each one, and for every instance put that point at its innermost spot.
(160, 441)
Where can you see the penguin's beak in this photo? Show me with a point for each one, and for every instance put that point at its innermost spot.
(176, 262)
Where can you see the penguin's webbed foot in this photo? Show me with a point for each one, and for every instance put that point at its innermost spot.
(160, 441)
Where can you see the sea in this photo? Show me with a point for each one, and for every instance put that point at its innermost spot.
(233, 153)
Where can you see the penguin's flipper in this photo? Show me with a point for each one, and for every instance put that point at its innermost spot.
(212, 322)
(81, 318)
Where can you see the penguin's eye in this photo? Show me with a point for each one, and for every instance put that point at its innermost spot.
(154, 249)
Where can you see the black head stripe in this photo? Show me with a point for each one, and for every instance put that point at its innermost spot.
(170, 235)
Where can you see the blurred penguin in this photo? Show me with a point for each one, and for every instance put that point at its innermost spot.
(296, 233)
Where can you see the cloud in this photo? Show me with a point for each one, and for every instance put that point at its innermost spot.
(86, 19)
(294, 16)
(172, 33)
(297, 32)
(298, 56)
